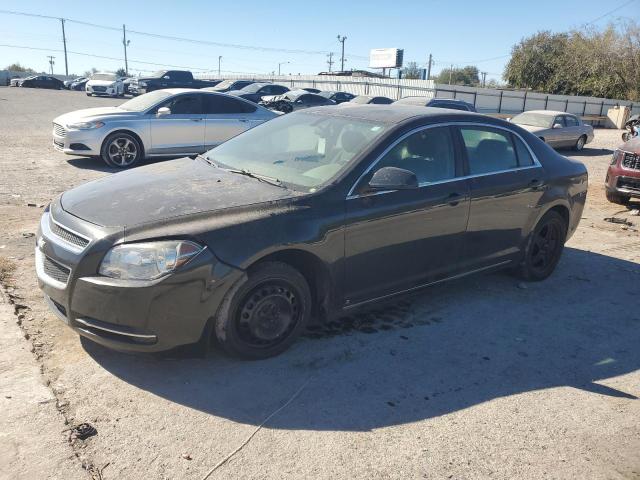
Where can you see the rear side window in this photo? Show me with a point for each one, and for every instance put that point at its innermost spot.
(524, 156)
(222, 104)
(488, 150)
(571, 121)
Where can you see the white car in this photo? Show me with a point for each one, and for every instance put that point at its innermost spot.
(105, 83)
(164, 123)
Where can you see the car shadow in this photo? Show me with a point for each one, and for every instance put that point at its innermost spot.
(448, 348)
(96, 163)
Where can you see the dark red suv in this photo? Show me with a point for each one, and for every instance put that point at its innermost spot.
(623, 176)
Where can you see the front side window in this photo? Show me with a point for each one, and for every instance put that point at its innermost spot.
(560, 120)
(428, 153)
(304, 151)
(488, 150)
(184, 105)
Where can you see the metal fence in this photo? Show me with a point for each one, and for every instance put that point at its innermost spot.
(489, 101)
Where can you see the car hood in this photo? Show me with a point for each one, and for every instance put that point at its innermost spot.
(101, 83)
(165, 190)
(239, 93)
(92, 114)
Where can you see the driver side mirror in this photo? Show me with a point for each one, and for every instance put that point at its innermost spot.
(557, 125)
(163, 112)
(393, 178)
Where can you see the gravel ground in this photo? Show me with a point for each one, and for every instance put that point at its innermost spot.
(480, 378)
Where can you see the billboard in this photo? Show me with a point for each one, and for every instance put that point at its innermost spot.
(386, 58)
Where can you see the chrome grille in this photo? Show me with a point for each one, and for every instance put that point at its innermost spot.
(54, 270)
(631, 160)
(59, 130)
(68, 236)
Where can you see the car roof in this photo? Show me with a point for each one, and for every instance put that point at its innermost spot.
(390, 114)
(549, 112)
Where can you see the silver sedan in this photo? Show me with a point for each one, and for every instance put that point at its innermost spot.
(558, 129)
(163, 123)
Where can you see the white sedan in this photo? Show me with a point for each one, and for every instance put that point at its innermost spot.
(108, 84)
(164, 123)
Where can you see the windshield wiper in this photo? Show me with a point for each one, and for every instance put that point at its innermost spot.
(257, 176)
(207, 159)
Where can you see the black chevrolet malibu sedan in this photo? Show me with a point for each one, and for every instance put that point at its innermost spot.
(301, 219)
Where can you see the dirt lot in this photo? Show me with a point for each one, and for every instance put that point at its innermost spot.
(481, 378)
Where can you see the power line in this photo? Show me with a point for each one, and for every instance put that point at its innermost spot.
(609, 12)
(177, 38)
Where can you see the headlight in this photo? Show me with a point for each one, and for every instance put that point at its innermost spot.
(614, 157)
(85, 125)
(142, 84)
(147, 261)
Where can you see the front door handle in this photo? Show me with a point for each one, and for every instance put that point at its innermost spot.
(197, 119)
(454, 199)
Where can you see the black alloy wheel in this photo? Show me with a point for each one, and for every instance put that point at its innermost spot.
(545, 247)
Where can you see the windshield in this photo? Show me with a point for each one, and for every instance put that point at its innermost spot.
(104, 76)
(304, 151)
(253, 88)
(533, 119)
(144, 102)
(158, 74)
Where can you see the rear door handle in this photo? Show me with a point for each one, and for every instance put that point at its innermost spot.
(454, 199)
(197, 119)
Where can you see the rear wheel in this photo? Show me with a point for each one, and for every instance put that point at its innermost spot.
(121, 150)
(580, 143)
(264, 313)
(544, 248)
(617, 198)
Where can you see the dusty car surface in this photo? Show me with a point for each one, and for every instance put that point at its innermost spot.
(163, 123)
(301, 219)
(371, 100)
(558, 129)
(623, 176)
(451, 103)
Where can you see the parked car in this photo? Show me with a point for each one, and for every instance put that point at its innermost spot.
(104, 83)
(79, 85)
(450, 103)
(16, 81)
(42, 81)
(558, 129)
(171, 122)
(229, 85)
(168, 79)
(366, 99)
(68, 83)
(306, 217)
(338, 97)
(126, 85)
(294, 100)
(256, 91)
(623, 176)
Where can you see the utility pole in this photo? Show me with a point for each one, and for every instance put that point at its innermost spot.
(219, 60)
(280, 64)
(341, 40)
(484, 78)
(64, 42)
(125, 42)
(429, 67)
(51, 62)
(330, 62)
(450, 73)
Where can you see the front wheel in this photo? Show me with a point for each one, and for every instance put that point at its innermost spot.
(264, 313)
(88, 94)
(121, 150)
(617, 198)
(544, 248)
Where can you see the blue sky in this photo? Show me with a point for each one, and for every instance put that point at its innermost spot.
(461, 33)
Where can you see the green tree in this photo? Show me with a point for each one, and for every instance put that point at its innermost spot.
(468, 75)
(411, 71)
(121, 72)
(16, 67)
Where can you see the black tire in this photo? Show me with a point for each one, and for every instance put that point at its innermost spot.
(626, 136)
(128, 156)
(617, 198)
(88, 94)
(544, 247)
(264, 312)
(580, 143)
